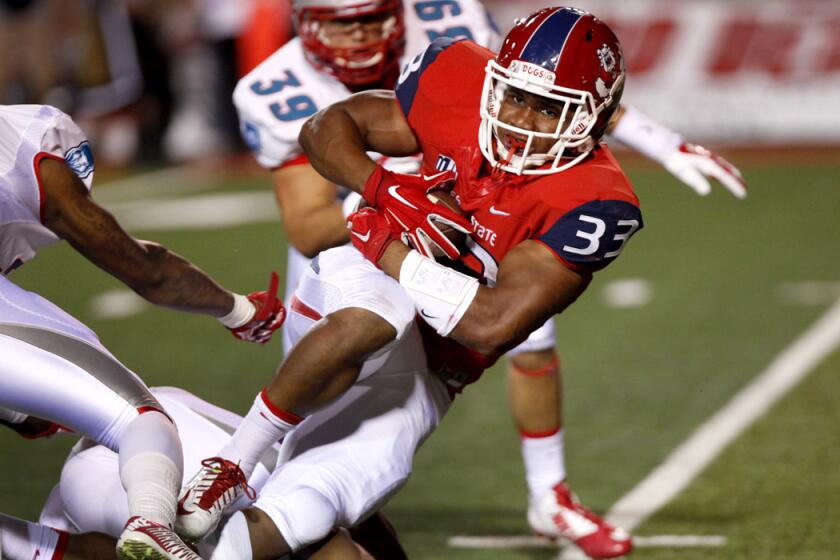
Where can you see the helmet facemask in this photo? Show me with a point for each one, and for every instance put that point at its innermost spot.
(365, 64)
(573, 138)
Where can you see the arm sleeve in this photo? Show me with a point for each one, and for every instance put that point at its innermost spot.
(592, 235)
(64, 139)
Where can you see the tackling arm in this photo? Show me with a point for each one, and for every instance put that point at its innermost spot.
(691, 164)
(312, 218)
(151, 270)
(336, 139)
(532, 286)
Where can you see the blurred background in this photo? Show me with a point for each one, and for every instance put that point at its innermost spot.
(151, 80)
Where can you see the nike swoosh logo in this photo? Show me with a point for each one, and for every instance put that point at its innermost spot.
(424, 314)
(181, 510)
(364, 237)
(498, 212)
(393, 190)
(433, 177)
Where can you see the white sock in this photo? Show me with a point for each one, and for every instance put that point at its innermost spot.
(23, 540)
(151, 466)
(545, 464)
(264, 425)
(230, 541)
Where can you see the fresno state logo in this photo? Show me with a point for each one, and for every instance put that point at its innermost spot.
(607, 58)
(608, 71)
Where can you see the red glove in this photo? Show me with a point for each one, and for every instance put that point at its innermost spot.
(403, 199)
(36, 428)
(269, 315)
(371, 233)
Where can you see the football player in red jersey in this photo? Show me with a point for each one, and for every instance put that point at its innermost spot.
(548, 206)
(318, 71)
(543, 232)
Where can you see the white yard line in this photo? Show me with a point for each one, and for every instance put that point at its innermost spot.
(117, 304)
(712, 437)
(179, 179)
(205, 211)
(156, 201)
(687, 461)
(525, 541)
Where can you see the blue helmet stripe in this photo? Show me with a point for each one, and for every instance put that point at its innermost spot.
(542, 46)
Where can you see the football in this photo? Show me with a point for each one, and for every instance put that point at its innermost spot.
(445, 198)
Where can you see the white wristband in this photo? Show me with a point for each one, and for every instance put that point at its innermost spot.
(242, 312)
(350, 203)
(645, 135)
(441, 295)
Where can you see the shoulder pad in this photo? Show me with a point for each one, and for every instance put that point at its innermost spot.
(410, 77)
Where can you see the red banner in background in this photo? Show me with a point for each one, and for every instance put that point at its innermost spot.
(738, 72)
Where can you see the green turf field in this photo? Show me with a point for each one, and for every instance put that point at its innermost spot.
(638, 380)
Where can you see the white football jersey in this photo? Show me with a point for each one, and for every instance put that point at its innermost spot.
(276, 98)
(27, 134)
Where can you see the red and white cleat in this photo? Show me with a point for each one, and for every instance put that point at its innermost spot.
(558, 514)
(218, 484)
(146, 540)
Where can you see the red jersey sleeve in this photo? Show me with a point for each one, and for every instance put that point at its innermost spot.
(592, 235)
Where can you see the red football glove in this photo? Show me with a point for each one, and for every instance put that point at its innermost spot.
(268, 318)
(371, 233)
(36, 428)
(403, 199)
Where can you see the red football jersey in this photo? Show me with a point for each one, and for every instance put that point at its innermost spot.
(584, 214)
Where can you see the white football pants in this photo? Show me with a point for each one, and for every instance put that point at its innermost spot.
(90, 497)
(54, 367)
(345, 461)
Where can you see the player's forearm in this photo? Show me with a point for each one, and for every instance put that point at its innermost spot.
(481, 318)
(336, 148)
(319, 230)
(169, 280)
(493, 323)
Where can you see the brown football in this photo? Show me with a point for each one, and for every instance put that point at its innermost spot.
(445, 198)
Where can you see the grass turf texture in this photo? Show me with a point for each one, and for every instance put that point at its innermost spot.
(638, 380)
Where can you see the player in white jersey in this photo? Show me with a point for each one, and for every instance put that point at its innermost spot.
(89, 497)
(54, 367)
(348, 46)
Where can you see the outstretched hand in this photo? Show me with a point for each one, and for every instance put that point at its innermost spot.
(693, 165)
(269, 314)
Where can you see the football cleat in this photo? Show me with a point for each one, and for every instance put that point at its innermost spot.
(218, 484)
(146, 540)
(558, 514)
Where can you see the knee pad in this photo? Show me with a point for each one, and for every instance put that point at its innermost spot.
(305, 516)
